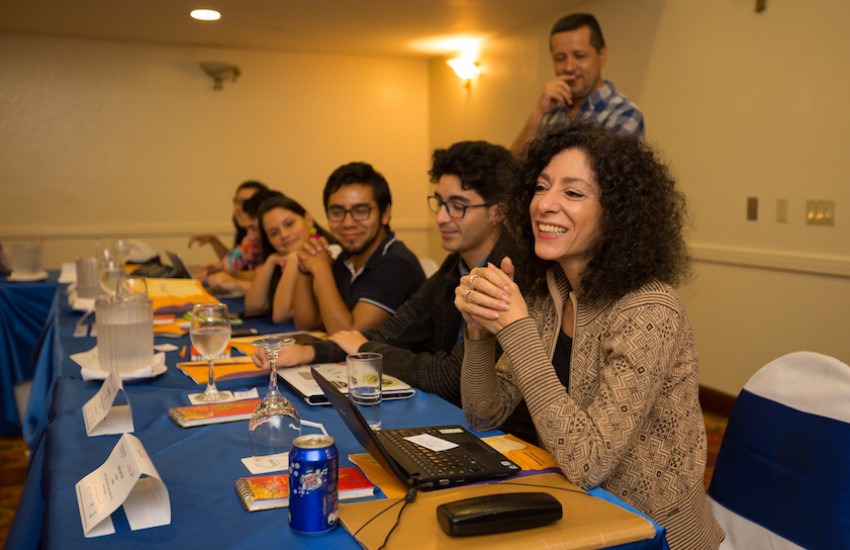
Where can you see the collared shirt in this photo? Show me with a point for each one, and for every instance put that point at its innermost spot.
(604, 107)
(389, 277)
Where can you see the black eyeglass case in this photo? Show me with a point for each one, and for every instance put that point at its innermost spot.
(498, 513)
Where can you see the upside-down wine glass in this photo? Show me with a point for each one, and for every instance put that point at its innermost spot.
(275, 423)
(210, 333)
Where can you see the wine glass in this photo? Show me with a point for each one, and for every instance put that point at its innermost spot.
(210, 333)
(111, 274)
(275, 423)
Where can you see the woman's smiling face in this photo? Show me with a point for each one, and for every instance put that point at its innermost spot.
(566, 212)
(286, 230)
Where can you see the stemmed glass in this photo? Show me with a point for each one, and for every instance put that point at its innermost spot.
(111, 274)
(275, 423)
(210, 333)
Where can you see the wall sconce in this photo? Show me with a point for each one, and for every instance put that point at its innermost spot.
(465, 68)
(219, 72)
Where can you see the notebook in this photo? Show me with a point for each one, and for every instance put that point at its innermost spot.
(301, 380)
(416, 466)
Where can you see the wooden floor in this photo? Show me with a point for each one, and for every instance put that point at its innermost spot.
(14, 457)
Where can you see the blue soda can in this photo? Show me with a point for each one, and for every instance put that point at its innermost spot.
(313, 475)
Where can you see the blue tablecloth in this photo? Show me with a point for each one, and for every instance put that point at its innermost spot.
(198, 465)
(24, 309)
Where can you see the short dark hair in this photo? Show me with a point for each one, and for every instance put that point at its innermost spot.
(576, 21)
(359, 173)
(252, 205)
(483, 167)
(643, 213)
(278, 200)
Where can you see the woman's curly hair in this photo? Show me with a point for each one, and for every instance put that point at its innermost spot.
(643, 214)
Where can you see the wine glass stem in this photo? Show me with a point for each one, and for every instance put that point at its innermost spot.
(273, 374)
(211, 389)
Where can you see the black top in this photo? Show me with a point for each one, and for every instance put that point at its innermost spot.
(561, 359)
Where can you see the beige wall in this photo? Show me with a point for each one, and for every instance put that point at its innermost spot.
(741, 104)
(104, 139)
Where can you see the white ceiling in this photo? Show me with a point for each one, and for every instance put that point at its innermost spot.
(363, 27)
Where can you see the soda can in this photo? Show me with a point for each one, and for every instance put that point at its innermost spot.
(313, 476)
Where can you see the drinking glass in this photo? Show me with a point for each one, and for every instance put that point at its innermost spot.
(365, 385)
(275, 423)
(111, 274)
(210, 333)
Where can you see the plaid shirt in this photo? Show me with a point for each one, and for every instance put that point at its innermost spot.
(604, 107)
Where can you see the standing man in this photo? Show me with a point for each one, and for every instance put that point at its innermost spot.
(373, 276)
(578, 93)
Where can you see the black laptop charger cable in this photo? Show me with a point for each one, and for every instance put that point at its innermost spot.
(408, 498)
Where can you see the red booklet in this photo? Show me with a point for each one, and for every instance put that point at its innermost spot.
(272, 491)
(213, 413)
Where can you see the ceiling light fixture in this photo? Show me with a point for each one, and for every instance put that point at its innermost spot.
(205, 15)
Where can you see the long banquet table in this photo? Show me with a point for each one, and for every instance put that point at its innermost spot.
(199, 466)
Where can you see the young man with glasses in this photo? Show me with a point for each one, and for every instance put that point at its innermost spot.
(373, 276)
(422, 343)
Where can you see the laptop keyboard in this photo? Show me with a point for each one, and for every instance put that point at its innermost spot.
(436, 463)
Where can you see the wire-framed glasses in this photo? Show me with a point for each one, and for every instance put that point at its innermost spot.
(454, 209)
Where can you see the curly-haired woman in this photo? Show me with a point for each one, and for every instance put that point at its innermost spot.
(595, 338)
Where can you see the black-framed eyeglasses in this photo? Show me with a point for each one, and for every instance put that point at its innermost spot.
(359, 213)
(455, 209)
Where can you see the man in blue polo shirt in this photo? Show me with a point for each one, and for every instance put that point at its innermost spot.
(373, 276)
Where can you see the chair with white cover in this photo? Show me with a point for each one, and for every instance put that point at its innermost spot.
(782, 478)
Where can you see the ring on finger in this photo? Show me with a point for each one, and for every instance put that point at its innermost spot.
(467, 293)
(471, 281)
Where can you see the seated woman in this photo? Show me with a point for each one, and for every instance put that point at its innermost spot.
(595, 338)
(233, 280)
(244, 256)
(284, 228)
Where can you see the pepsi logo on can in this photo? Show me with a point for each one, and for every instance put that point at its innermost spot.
(313, 476)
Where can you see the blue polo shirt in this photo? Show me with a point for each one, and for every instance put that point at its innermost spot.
(391, 275)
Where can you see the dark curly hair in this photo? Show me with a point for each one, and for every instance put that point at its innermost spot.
(643, 214)
(483, 167)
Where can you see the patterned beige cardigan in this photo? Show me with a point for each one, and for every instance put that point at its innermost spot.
(631, 421)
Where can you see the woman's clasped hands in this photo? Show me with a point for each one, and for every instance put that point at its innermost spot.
(489, 300)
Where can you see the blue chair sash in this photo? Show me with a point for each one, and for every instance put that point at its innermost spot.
(786, 470)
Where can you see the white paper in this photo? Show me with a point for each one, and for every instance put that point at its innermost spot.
(267, 464)
(119, 481)
(198, 398)
(432, 443)
(102, 416)
(91, 370)
(165, 347)
(68, 273)
(246, 394)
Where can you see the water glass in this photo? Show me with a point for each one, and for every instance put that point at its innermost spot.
(209, 331)
(364, 385)
(124, 333)
(88, 278)
(26, 258)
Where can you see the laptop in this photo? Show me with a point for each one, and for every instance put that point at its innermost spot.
(179, 270)
(416, 466)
